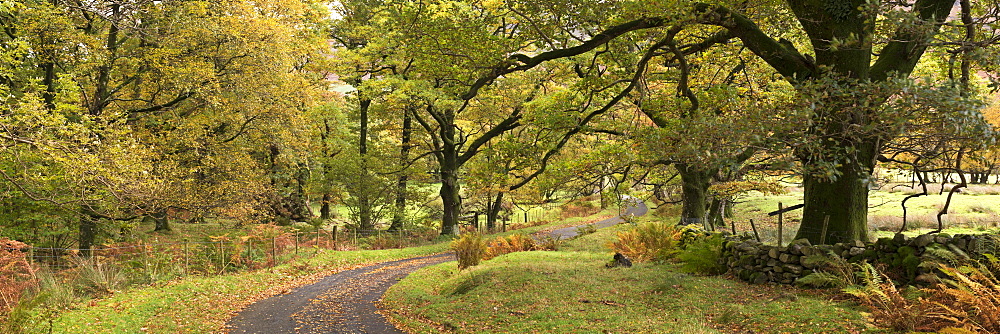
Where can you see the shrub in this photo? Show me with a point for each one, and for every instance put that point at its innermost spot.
(585, 229)
(16, 275)
(505, 245)
(578, 209)
(701, 255)
(469, 249)
(383, 242)
(654, 241)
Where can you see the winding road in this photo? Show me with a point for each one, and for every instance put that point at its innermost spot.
(345, 302)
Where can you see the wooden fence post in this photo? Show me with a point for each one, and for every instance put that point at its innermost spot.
(334, 237)
(222, 257)
(296, 242)
(822, 235)
(187, 257)
(754, 227)
(781, 216)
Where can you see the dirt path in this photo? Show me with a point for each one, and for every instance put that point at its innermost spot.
(345, 302)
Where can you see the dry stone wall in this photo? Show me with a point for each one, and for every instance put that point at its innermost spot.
(901, 256)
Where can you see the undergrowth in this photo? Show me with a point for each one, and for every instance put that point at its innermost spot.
(652, 241)
(469, 249)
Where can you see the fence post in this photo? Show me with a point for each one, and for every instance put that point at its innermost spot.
(222, 257)
(781, 216)
(249, 247)
(733, 226)
(296, 242)
(822, 235)
(525, 217)
(186, 258)
(334, 237)
(145, 259)
(274, 254)
(754, 227)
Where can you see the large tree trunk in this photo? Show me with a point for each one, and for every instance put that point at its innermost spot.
(844, 199)
(694, 186)
(161, 220)
(88, 233)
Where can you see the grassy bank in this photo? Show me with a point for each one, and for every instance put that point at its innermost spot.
(203, 304)
(571, 291)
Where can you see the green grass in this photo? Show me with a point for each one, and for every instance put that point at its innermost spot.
(975, 211)
(571, 291)
(203, 304)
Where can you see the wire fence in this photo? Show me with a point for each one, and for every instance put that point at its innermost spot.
(220, 254)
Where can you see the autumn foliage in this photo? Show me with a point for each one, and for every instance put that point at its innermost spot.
(16, 274)
(966, 301)
(653, 241)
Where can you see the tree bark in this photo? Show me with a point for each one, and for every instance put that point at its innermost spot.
(161, 220)
(404, 159)
(88, 233)
(450, 197)
(365, 223)
(843, 199)
(324, 209)
(694, 187)
(493, 211)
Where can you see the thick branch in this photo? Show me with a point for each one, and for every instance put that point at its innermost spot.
(901, 55)
(781, 56)
(527, 62)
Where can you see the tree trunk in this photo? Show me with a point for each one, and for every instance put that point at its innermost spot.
(404, 159)
(88, 233)
(717, 211)
(694, 186)
(450, 198)
(493, 211)
(324, 209)
(844, 200)
(161, 220)
(365, 223)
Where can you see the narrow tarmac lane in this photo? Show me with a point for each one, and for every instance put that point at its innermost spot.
(339, 303)
(345, 302)
(636, 209)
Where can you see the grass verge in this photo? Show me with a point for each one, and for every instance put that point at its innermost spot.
(571, 291)
(203, 304)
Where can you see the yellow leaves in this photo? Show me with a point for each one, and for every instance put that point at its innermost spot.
(733, 188)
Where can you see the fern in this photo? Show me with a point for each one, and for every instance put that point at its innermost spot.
(655, 241)
(888, 307)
